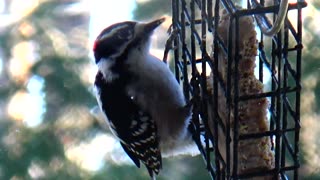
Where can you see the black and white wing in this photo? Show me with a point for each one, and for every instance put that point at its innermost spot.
(134, 127)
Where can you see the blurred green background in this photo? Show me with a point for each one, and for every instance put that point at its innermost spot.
(46, 76)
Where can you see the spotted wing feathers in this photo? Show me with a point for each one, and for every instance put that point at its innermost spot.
(134, 127)
(144, 144)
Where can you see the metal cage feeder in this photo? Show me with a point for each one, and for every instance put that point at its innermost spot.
(243, 75)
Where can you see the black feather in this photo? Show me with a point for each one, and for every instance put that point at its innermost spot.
(133, 126)
(131, 155)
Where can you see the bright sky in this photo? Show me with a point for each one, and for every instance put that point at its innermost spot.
(106, 12)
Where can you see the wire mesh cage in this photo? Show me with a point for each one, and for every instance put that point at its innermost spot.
(245, 86)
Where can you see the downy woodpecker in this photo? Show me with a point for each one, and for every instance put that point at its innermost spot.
(139, 95)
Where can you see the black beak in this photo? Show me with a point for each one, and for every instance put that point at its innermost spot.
(149, 27)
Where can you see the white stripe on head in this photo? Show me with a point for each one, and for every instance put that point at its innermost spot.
(112, 32)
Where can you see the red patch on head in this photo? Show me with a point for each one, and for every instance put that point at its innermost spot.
(95, 45)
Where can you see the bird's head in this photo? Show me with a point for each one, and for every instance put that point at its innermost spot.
(119, 39)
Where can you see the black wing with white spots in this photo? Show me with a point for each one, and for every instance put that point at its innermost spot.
(134, 127)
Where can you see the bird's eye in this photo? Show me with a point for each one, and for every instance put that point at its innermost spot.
(125, 35)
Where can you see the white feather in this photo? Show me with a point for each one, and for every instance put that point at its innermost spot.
(104, 66)
(157, 91)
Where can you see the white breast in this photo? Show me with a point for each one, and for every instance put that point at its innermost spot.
(157, 91)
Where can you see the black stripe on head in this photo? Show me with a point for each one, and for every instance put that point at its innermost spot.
(113, 39)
